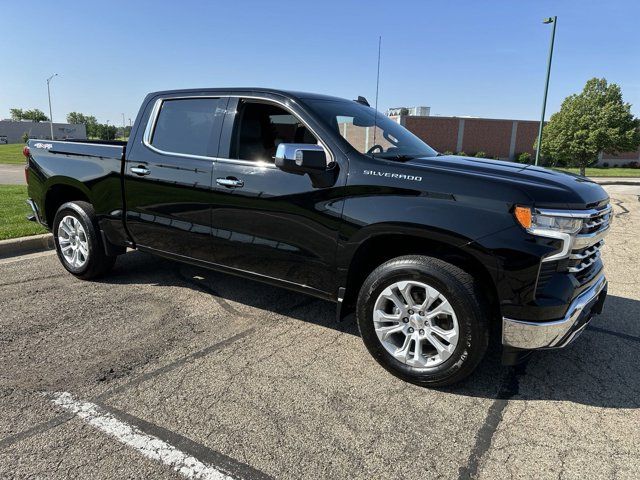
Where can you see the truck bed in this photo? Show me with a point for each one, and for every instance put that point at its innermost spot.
(86, 169)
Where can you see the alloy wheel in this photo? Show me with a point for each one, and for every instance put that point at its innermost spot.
(73, 241)
(416, 324)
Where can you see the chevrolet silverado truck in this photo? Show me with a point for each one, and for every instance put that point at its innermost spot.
(328, 197)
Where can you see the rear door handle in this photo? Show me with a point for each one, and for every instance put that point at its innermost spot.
(140, 170)
(230, 182)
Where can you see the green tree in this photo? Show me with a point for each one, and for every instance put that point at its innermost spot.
(35, 115)
(92, 125)
(16, 114)
(593, 121)
(106, 132)
(75, 118)
(89, 121)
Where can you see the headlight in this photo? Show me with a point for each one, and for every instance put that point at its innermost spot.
(539, 224)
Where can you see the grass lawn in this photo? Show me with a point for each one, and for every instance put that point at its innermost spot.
(606, 172)
(12, 153)
(13, 211)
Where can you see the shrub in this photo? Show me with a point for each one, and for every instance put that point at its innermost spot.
(524, 157)
(633, 165)
(448, 152)
(461, 154)
(481, 154)
(25, 137)
(605, 165)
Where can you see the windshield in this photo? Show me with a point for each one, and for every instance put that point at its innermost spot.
(355, 123)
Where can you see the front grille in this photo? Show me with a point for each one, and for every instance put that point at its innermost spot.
(583, 259)
(597, 222)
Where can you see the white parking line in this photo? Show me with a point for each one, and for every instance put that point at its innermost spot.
(148, 445)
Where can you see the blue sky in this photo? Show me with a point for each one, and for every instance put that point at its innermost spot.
(478, 58)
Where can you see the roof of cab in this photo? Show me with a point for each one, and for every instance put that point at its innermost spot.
(250, 90)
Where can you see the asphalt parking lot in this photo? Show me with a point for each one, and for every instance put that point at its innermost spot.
(258, 382)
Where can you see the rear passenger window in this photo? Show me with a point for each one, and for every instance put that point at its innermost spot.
(188, 126)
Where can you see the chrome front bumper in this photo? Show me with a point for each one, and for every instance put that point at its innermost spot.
(556, 334)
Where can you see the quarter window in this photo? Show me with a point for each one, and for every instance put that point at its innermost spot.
(188, 126)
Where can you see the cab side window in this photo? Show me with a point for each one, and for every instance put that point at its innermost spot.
(259, 129)
(187, 126)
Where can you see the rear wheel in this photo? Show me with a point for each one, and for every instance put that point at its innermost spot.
(423, 319)
(78, 243)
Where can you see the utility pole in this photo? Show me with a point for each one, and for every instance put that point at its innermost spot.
(50, 111)
(553, 20)
(123, 127)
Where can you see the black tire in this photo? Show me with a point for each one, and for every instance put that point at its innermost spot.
(97, 262)
(464, 296)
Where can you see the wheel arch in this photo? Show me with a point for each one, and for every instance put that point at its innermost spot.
(379, 248)
(60, 191)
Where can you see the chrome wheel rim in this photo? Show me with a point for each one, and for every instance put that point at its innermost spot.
(73, 242)
(416, 324)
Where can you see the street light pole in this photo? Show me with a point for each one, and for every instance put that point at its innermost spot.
(123, 127)
(49, 94)
(553, 20)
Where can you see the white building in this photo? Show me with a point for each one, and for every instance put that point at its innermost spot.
(14, 132)
(409, 111)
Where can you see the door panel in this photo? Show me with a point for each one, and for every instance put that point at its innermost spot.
(276, 224)
(267, 221)
(168, 194)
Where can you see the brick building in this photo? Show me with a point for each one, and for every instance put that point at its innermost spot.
(500, 138)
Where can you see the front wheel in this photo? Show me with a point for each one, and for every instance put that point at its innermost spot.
(78, 243)
(423, 319)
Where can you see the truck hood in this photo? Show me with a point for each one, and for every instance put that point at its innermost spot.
(545, 187)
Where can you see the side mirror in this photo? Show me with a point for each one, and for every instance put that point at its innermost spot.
(301, 158)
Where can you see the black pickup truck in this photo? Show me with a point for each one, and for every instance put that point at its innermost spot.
(328, 197)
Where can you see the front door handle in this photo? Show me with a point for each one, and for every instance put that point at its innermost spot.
(230, 182)
(140, 170)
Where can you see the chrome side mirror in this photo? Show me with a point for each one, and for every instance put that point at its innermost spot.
(300, 158)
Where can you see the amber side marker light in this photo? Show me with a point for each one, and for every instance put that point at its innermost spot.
(523, 216)
(26, 153)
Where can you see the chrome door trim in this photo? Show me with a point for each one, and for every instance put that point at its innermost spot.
(153, 117)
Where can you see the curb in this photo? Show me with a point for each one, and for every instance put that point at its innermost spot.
(23, 245)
